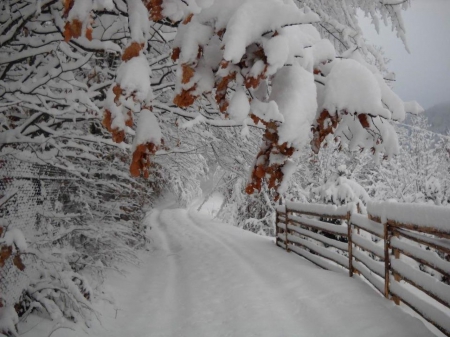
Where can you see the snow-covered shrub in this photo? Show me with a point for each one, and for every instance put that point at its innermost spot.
(419, 173)
(8, 321)
(254, 213)
(433, 190)
(339, 190)
(76, 223)
(12, 276)
(58, 292)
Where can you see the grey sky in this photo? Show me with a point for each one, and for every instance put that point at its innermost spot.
(423, 75)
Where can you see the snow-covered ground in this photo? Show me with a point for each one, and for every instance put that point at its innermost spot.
(205, 278)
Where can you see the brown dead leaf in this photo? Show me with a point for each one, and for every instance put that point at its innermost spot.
(221, 32)
(155, 9)
(132, 51)
(185, 98)
(89, 33)
(325, 125)
(188, 73)
(17, 261)
(118, 136)
(68, 4)
(117, 90)
(141, 159)
(364, 121)
(129, 120)
(107, 120)
(72, 29)
(175, 54)
(188, 19)
(5, 253)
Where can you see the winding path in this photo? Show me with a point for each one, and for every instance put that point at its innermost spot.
(205, 278)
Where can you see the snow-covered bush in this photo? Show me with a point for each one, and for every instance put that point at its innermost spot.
(419, 173)
(73, 221)
(12, 246)
(8, 321)
(254, 212)
(433, 190)
(339, 190)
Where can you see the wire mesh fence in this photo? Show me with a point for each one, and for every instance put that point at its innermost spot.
(30, 193)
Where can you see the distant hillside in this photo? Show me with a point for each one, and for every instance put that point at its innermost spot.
(438, 116)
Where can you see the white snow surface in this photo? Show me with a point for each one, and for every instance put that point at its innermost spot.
(299, 37)
(220, 11)
(8, 319)
(352, 87)
(80, 10)
(138, 21)
(390, 99)
(148, 130)
(342, 191)
(205, 278)
(277, 52)
(189, 38)
(177, 10)
(294, 91)
(427, 255)
(266, 111)
(413, 107)
(417, 214)
(363, 222)
(134, 77)
(15, 238)
(323, 51)
(320, 209)
(288, 170)
(255, 17)
(239, 106)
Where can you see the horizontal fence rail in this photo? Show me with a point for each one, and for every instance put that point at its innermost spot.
(402, 250)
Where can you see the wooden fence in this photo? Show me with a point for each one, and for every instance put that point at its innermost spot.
(405, 261)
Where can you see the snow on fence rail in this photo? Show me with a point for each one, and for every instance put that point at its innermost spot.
(403, 250)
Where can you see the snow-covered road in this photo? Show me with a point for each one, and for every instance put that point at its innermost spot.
(205, 278)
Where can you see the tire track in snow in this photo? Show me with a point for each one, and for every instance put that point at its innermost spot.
(259, 292)
(174, 295)
(197, 280)
(280, 282)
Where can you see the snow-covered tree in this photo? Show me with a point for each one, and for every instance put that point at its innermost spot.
(288, 71)
(238, 65)
(418, 172)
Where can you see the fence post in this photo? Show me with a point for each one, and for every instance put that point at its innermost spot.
(397, 277)
(286, 241)
(350, 245)
(386, 260)
(277, 220)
